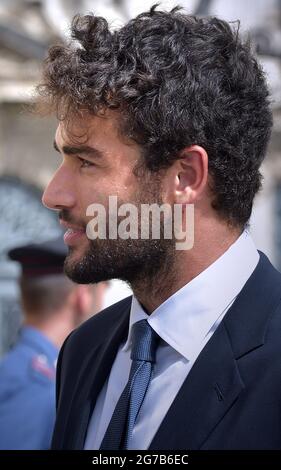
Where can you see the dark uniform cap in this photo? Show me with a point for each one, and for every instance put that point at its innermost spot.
(40, 259)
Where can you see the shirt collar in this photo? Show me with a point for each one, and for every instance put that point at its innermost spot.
(185, 318)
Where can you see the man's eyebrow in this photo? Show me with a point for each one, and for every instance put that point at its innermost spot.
(81, 149)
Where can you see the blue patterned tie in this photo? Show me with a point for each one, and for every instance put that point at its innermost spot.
(120, 428)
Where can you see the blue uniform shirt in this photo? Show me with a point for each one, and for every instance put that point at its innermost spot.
(27, 392)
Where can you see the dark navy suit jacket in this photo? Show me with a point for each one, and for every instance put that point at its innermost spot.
(231, 398)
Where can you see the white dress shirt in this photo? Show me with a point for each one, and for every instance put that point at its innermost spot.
(185, 322)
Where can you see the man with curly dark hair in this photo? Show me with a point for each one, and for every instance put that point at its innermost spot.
(168, 110)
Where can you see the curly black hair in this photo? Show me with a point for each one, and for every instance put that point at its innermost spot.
(177, 80)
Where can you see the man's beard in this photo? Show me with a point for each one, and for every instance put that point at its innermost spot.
(134, 261)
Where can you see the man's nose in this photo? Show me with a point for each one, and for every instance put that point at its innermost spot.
(59, 193)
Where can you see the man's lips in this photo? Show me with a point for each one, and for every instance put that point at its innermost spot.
(68, 225)
(73, 232)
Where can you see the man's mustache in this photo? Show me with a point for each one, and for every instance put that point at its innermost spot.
(66, 216)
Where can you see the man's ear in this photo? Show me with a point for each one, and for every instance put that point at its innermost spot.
(190, 175)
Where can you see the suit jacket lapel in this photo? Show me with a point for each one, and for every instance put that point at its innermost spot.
(214, 382)
(96, 369)
(208, 392)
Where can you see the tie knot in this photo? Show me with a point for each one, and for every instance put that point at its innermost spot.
(144, 342)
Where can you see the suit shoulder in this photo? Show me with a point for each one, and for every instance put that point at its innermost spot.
(266, 269)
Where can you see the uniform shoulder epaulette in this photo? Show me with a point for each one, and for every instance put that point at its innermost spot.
(41, 368)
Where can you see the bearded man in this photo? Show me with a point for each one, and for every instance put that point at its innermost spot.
(169, 109)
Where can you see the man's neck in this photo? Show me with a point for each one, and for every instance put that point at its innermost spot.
(56, 328)
(186, 265)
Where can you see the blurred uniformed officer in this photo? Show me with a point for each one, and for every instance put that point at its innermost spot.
(52, 307)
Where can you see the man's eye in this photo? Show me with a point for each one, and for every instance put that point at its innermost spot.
(85, 163)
